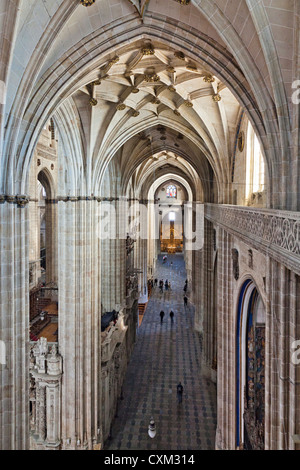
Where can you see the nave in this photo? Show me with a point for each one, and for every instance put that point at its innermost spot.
(126, 126)
(164, 354)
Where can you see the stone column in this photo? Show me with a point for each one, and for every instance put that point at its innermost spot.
(113, 261)
(208, 301)
(141, 252)
(226, 335)
(153, 237)
(42, 412)
(140, 263)
(53, 414)
(34, 243)
(282, 412)
(14, 324)
(79, 322)
(51, 241)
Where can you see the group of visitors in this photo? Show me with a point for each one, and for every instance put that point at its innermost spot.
(162, 314)
(162, 284)
(167, 286)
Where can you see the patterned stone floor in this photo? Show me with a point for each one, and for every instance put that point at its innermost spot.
(164, 354)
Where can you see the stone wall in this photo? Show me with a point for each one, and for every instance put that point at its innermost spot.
(238, 261)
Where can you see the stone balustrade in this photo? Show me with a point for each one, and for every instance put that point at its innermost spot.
(275, 232)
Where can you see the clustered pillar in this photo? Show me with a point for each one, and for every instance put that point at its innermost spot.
(79, 322)
(14, 324)
(282, 364)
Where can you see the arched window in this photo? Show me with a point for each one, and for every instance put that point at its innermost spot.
(171, 191)
(255, 167)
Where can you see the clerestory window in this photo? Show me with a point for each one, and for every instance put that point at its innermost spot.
(255, 167)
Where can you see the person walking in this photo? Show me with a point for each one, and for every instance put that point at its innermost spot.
(166, 284)
(169, 285)
(155, 282)
(172, 315)
(162, 314)
(185, 301)
(179, 392)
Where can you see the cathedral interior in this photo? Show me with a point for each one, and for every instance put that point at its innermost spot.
(147, 140)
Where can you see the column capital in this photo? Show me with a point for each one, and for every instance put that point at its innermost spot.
(20, 199)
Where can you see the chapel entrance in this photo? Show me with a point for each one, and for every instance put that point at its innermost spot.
(251, 369)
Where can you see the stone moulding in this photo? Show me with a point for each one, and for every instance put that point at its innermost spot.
(76, 198)
(275, 232)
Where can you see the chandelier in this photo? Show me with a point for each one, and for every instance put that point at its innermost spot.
(87, 3)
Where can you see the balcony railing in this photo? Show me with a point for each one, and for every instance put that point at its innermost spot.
(276, 232)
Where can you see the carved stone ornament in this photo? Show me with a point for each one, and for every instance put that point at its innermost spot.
(216, 97)
(148, 50)
(93, 102)
(208, 78)
(87, 3)
(22, 201)
(192, 68)
(179, 55)
(111, 63)
(121, 107)
(235, 263)
(250, 259)
(31, 272)
(151, 78)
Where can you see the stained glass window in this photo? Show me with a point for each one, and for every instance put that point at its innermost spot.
(171, 191)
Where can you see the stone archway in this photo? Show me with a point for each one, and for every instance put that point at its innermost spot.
(250, 370)
(50, 221)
